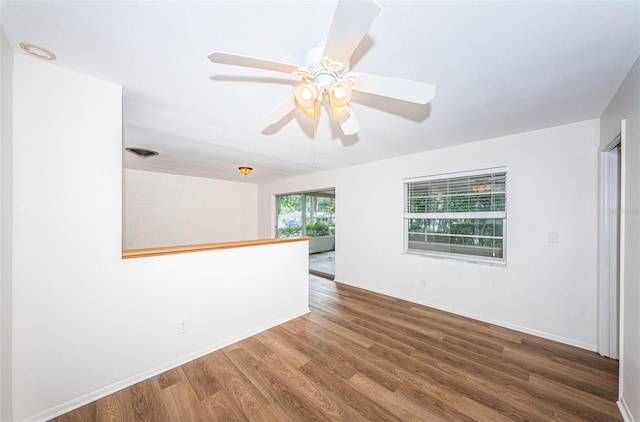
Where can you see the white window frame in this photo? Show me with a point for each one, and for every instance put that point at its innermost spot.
(498, 261)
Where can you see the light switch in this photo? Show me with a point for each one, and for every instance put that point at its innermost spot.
(553, 237)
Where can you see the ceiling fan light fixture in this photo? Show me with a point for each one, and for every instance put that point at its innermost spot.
(338, 112)
(313, 111)
(339, 94)
(326, 72)
(307, 94)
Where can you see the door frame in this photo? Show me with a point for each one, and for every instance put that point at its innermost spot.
(611, 246)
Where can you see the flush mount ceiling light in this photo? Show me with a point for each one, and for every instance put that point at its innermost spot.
(37, 51)
(142, 152)
(325, 72)
(245, 170)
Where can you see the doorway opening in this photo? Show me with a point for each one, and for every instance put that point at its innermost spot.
(311, 214)
(610, 250)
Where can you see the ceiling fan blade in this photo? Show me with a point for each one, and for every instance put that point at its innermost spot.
(254, 62)
(349, 124)
(401, 89)
(281, 111)
(350, 24)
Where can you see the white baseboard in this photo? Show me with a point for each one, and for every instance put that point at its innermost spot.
(624, 410)
(110, 389)
(505, 324)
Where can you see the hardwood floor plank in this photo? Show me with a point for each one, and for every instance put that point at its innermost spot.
(181, 402)
(201, 378)
(295, 326)
(482, 413)
(481, 334)
(292, 402)
(605, 387)
(244, 395)
(596, 370)
(431, 371)
(372, 334)
(470, 408)
(362, 356)
(358, 359)
(223, 409)
(485, 363)
(324, 321)
(363, 404)
(283, 349)
(145, 403)
(607, 408)
(507, 334)
(521, 393)
(167, 379)
(406, 410)
(448, 411)
(312, 347)
(114, 407)
(332, 406)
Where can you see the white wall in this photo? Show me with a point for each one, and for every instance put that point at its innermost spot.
(87, 323)
(167, 210)
(545, 289)
(626, 105)
(6, 219)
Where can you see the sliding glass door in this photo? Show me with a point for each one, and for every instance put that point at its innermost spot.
(310, 214)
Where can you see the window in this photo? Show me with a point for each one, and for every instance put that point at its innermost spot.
(306, 214)
(457, 215)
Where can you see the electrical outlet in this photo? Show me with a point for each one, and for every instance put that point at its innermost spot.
(182, 326)
(423, 282)
(553, 237)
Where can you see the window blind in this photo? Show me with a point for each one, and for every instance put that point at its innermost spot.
(459, 214)
(475, 193)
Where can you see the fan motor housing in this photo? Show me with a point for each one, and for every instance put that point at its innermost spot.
(313, 58)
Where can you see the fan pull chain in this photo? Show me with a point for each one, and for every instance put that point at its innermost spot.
(315, 151)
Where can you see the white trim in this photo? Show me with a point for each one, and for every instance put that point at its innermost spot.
(526, 330)
(624, 411)
(623, 206)
(472, 259)
(609, 248)
(614, 257)
(110, 389)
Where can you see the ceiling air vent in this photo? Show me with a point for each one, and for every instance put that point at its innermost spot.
(142, 152)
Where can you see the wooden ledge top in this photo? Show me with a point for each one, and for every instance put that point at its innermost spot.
(170, 250)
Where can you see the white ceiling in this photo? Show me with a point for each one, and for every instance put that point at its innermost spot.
(499, 67)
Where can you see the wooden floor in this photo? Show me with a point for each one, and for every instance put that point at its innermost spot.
(361, 356)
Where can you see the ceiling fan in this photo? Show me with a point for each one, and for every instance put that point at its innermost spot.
(325, 73)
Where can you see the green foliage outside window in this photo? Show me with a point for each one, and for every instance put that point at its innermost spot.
(434, 208)
(319, 215)
(319, 229)
(295, 231)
